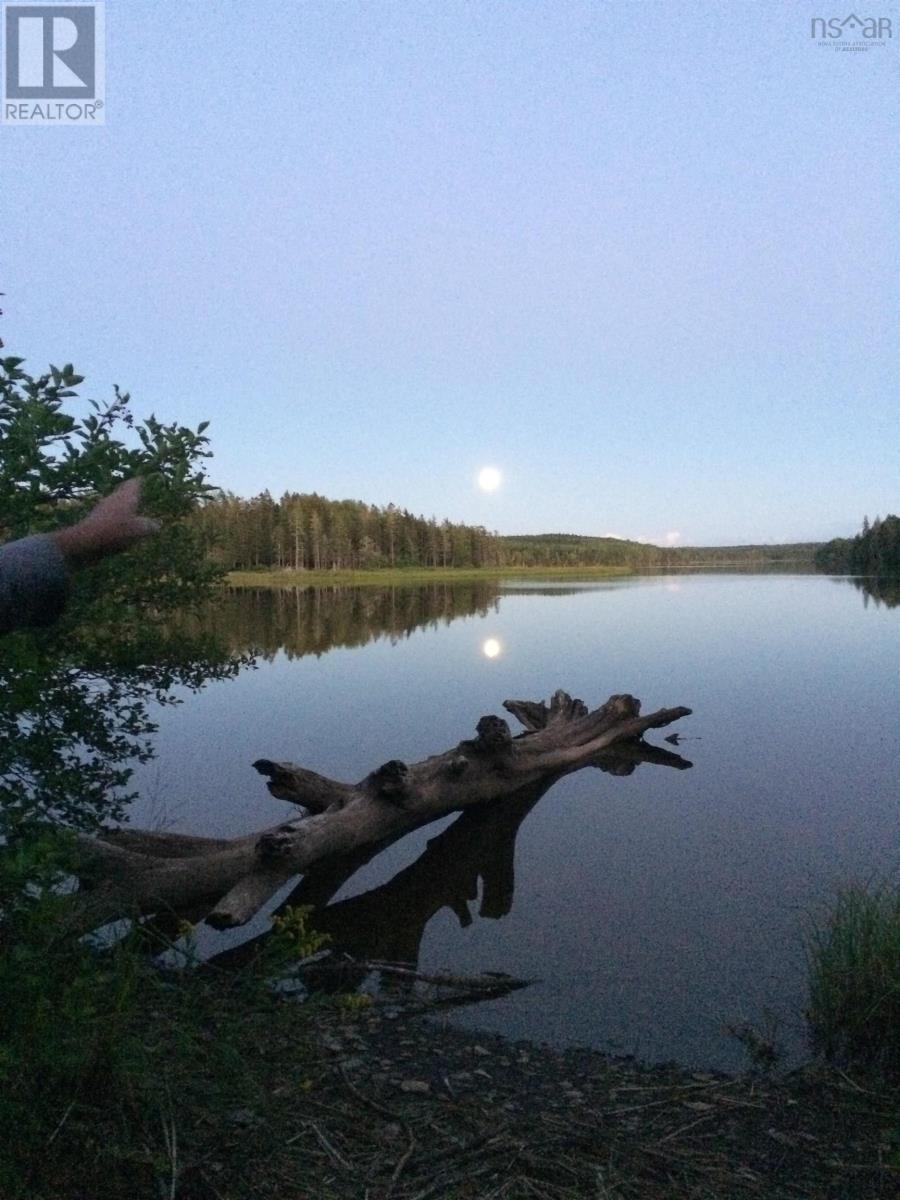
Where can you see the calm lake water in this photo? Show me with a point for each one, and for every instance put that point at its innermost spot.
(655, 908)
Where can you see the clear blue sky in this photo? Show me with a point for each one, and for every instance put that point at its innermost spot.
(641, 256)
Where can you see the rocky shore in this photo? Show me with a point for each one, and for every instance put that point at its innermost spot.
(412, 1108)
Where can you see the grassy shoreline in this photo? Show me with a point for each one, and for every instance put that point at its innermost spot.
(415, 576)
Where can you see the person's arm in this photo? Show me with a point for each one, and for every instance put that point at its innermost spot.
(34, 572)
(34, 582)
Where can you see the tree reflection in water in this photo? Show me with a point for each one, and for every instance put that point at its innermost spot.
(882, 591)
(301, 621)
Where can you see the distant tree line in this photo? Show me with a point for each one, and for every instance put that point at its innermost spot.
(874, 551)
(577, 550)
(307, 532)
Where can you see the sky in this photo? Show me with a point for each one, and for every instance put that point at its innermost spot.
(640, 257)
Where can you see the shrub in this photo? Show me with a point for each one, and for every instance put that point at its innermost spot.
(75, 699)
(854, 966)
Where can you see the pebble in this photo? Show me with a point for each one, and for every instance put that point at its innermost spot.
(417, 1086)
(243, 1116)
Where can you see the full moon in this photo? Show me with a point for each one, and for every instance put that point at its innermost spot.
(489, 479)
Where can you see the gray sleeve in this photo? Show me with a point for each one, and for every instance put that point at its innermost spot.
(34, 583)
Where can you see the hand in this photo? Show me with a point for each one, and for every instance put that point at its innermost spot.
(112, 526)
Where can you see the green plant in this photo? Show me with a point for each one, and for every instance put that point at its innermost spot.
(854, 977)
(75, 699)
(293, 937)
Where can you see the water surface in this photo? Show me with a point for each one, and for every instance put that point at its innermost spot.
(655, 908)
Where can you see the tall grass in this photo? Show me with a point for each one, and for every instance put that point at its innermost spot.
(854, 977)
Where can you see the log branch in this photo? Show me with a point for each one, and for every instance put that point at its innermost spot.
(159, 844)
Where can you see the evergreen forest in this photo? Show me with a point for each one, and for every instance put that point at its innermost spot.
(308, 532)
(874, 551)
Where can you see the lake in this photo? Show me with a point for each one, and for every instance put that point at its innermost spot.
(654, 909)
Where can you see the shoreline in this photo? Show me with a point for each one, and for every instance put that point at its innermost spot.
(415, 576)
(421, 576)
(413, 1108)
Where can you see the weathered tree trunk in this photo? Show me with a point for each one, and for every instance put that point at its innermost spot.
(230, 879)
(475, 854)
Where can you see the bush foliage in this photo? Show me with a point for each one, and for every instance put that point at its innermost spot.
(75, 699)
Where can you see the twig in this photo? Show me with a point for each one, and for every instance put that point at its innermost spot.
(488, 979)
(434, 1189)
(476, 1143)
(334, 1154)
(65, 1118)
(170, 1134)
(363, 1099)
(855, 1086)
(401, 1163)
(684, 1128)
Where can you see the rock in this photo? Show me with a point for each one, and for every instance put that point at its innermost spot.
(783, 1139)
(417, 1086)
(243, 1116)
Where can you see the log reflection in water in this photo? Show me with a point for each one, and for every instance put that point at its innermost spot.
(387, 923)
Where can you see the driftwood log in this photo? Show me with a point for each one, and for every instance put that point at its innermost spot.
(229, 880)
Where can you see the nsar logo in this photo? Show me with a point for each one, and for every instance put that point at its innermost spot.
(843, 29)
